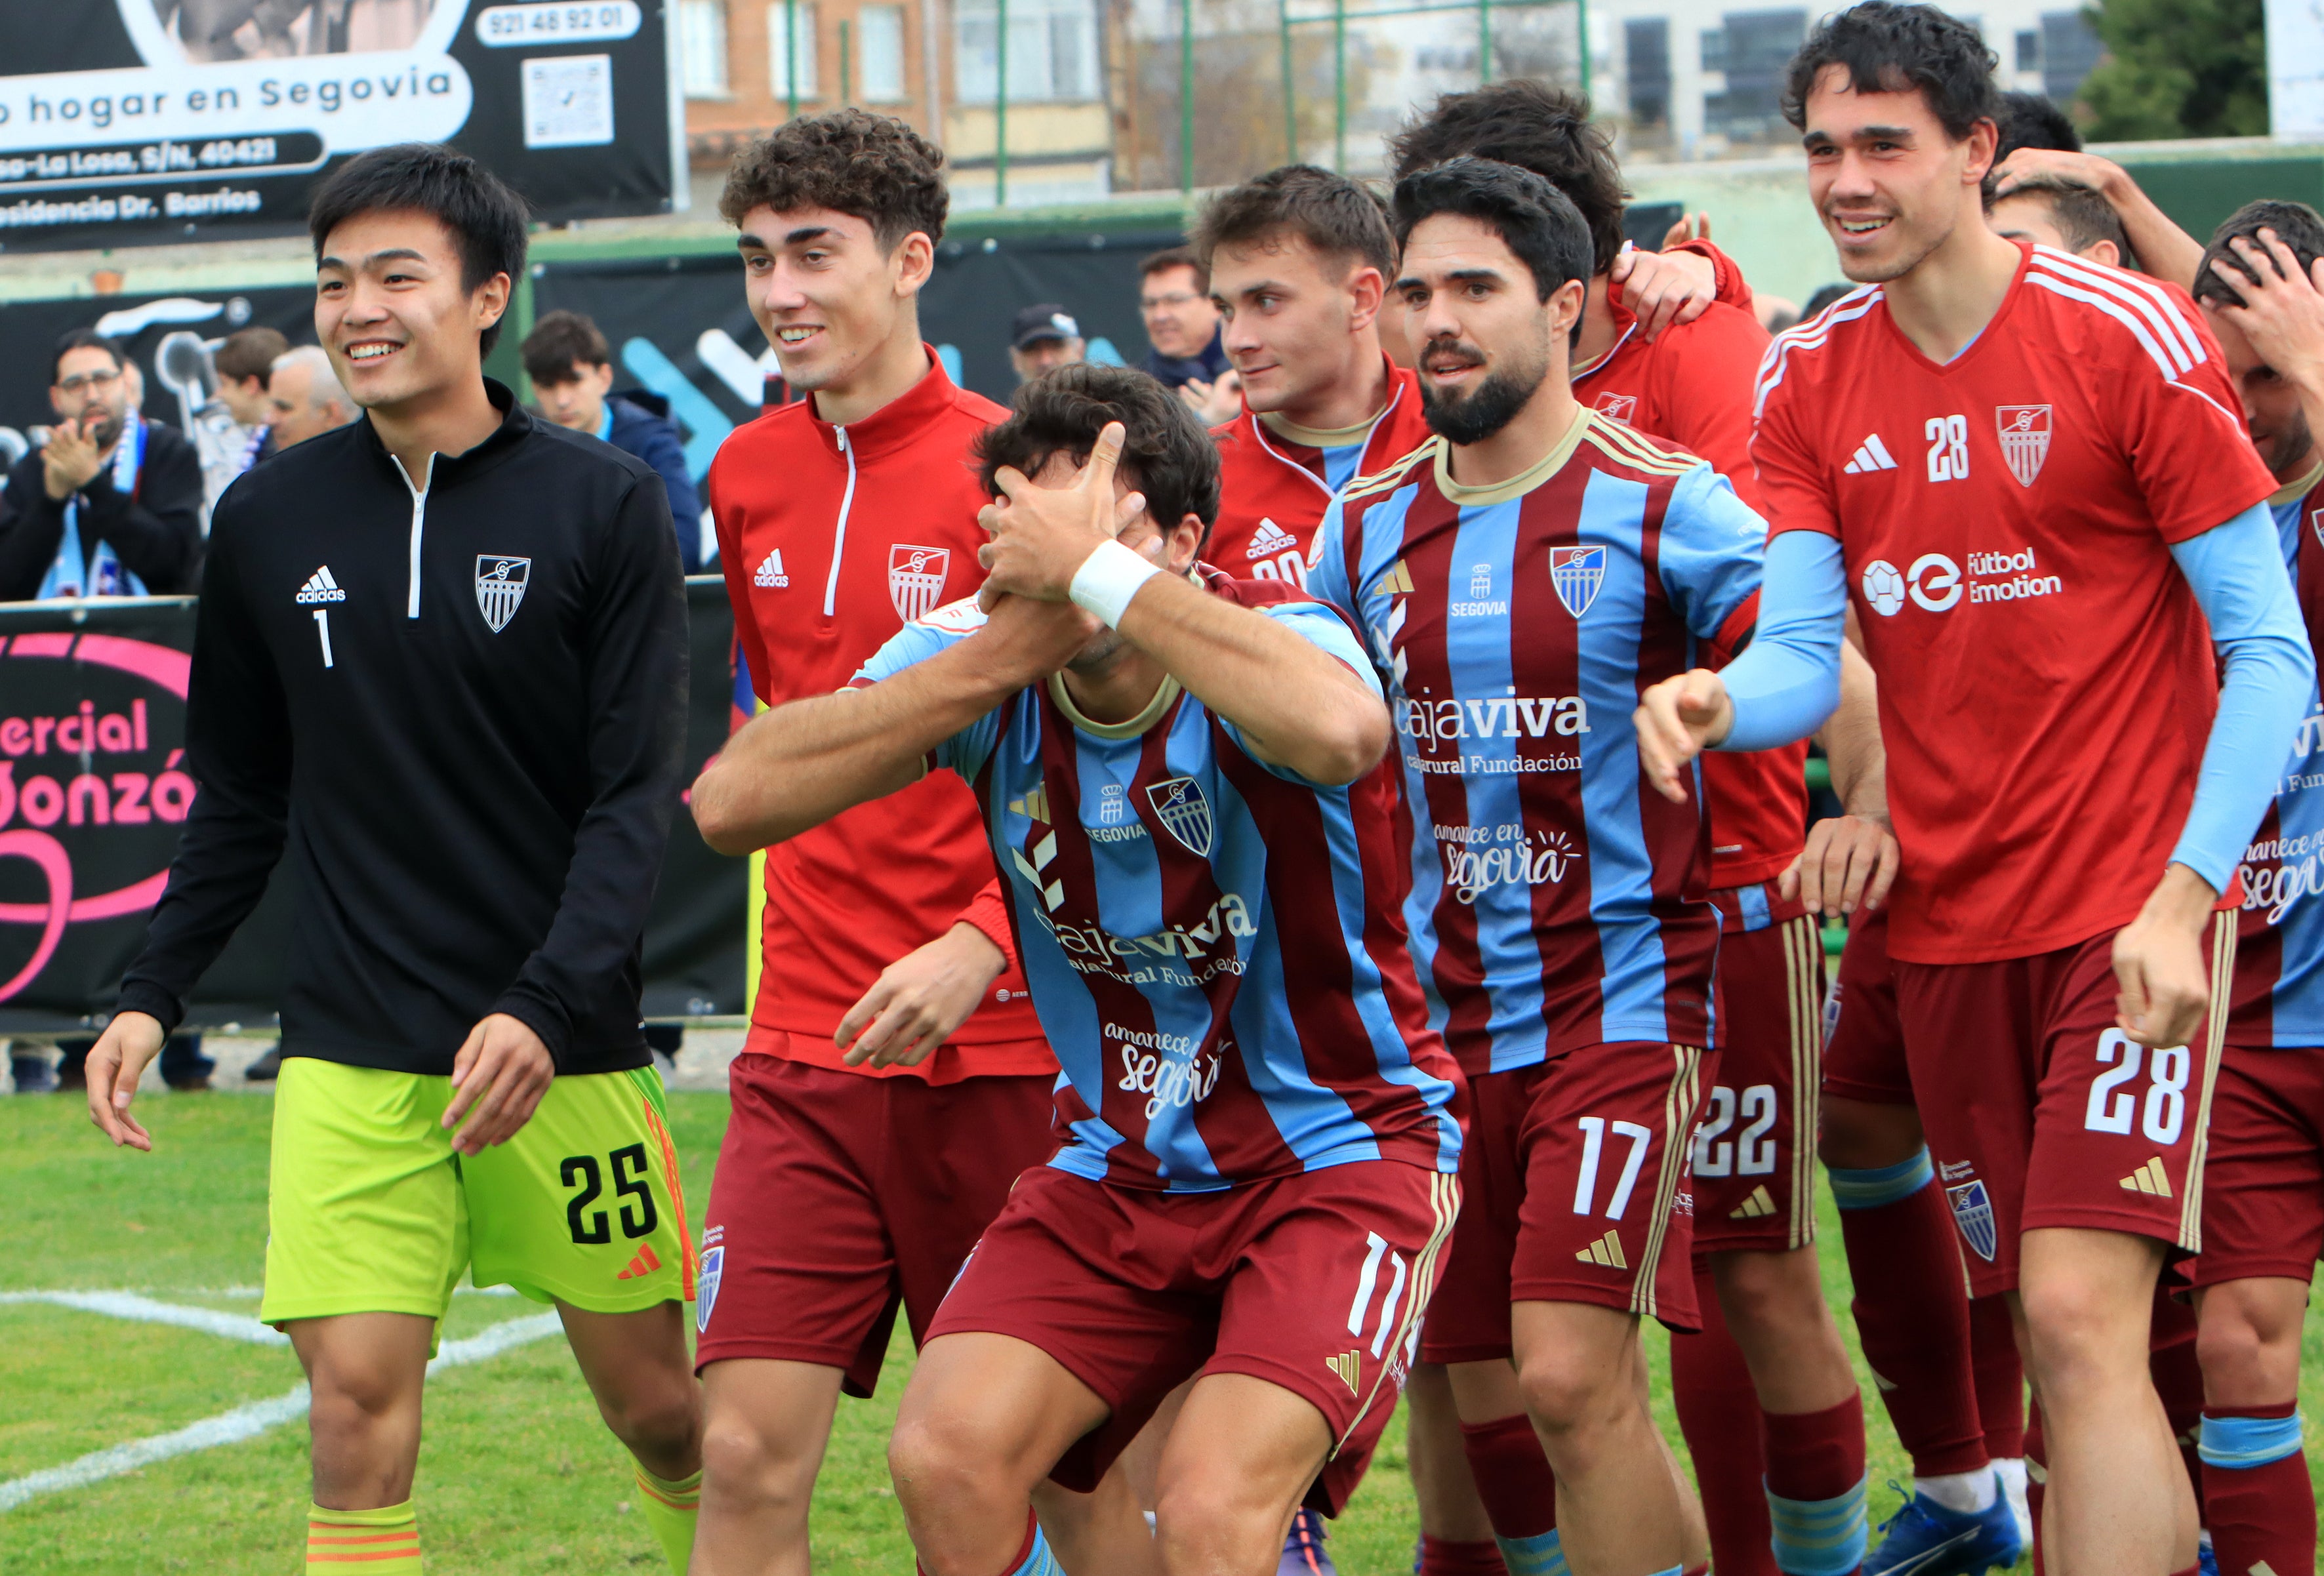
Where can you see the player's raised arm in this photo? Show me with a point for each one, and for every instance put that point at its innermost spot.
(1297, 705)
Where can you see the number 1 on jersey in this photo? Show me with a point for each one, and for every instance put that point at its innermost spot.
(323, 627)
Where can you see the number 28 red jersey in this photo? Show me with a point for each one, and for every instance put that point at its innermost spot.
(2046, 678)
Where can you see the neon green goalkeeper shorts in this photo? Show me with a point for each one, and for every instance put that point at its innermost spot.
(370, 1210)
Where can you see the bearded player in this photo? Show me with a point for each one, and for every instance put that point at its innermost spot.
(2262, 290)
(1518, 574)
(1181, 776)
(889, 1018)
(2026, 472)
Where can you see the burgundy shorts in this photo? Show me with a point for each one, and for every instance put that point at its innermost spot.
(1315, 1283)
(2263, 1179)
(2040, 1112)
(839, 1196)
(1570, 1183)
(1863, 1042)
(1753, 1161)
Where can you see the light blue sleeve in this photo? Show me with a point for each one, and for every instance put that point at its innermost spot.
(965, 752)
(1711, 550)
(2237, 570)
(1787, 682)
(1325, 629)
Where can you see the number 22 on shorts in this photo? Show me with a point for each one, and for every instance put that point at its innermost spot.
(2162, 1114)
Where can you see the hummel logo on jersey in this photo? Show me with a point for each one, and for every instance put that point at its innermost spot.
(771, 573)
(1036, 870)
(2149, 1179)
(1757, 1207)
(644, 1263)
(1350, 1365)
(320, 587)
(1871, 454)
(1268, 539)
(1607, 1252)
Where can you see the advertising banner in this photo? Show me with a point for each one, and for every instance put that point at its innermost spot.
(130, 121)
(93, 791)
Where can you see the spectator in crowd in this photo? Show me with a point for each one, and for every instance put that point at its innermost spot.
(111, 505)
(1181, 326)
(571, 372)
(230, 429)
(2050, 210)
(304, 399)
(1043, 338)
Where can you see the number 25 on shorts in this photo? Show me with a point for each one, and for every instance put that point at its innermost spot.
(589, 1226)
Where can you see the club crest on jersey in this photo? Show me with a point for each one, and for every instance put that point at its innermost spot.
(2316, 524)
(1620, 406)
(1973, 1213)
(706, 1286)
(1184, 812)
(1576, 574)
(500, 586)
(915, 577)
(2025, 438)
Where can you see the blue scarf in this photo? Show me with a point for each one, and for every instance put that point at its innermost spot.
(103, 574)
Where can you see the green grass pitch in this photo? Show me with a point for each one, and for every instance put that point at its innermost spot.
(515, 1473)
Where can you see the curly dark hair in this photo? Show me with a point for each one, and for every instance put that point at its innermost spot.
(1545, 130)
(2295, 224)
(850, 161)
(1537, 221)
(489, 222)
(1888, 47)
(1338, 219)
(1166, 453)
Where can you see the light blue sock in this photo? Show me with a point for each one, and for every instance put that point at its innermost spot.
(1038, 1561)
(1538, 1555)
(1883, 1184)
(2248, 1441)
(1820, 1538)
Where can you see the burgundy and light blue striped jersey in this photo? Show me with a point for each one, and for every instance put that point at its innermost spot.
(1215, 944)
(1557, 899)
(2278, 991)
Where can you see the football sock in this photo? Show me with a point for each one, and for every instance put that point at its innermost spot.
(1719, 1413)
(1815, 1488)
(671, 1509)
(2000, 1377)
(1911, 1313)
(1966, 1492)
(1033, 1556)
(2179, 1380)
(377, 1542)
(2260, 1505)
(1444, 1557)
(1520, 1493)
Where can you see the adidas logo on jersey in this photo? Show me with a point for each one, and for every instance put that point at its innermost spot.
(643, 1264)
(1350, 1365)
(1269, 540)
(1871, 454)
(771, 573)
(2149, 1178)
(1757, 1207)
(1606, 1251)
(320, 587)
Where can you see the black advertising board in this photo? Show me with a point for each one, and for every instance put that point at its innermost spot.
(93, 792)
(138, 122)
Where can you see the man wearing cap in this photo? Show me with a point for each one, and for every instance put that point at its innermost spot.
(1043, 338)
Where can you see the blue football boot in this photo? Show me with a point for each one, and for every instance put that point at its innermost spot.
(1304, 1553)
(1925, 1539)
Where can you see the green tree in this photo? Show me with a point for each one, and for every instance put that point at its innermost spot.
(2177, 68)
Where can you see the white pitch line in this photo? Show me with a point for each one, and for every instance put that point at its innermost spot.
(146, 1311)
(245, 1421)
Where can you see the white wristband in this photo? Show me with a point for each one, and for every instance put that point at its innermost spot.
(1107, 580)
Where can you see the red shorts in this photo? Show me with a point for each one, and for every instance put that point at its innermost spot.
(2040, 1112)
(1863, 1042)
(1753, 1161)
(2263, 1177)
(838, 1197)
(1570, 1182)
(1314, 1282)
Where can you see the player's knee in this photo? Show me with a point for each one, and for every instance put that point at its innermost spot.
(351, 1393)
(662, 1418)
(1572, 1391)
(1210, 1519)
(2248, 1357)
(741, 1460)
(938, 1462)
(2080, 1331)
(1766, 1291)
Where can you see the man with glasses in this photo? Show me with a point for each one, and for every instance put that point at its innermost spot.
(1181, 326)
(111, 505)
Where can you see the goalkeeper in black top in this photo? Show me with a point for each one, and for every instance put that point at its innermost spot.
(440, 654)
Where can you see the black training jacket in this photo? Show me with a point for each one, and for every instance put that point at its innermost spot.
(464, 710)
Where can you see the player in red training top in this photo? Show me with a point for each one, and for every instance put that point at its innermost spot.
(2261, 290)
(843, 1184)
(1753, 1188)
(2027, 473)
